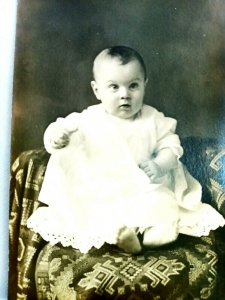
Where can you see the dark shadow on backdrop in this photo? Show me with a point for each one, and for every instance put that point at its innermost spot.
(182, 42)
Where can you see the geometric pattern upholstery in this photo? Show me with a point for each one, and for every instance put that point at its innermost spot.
(216, 173)
(27, 174)
(185, 269)
(173, 272)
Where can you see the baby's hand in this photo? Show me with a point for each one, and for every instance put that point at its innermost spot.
(151, 169)
(60, 138)
(57, 135)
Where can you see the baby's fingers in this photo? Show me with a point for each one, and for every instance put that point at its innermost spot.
(144, 165)
(59, 143)
(150, 173)
(60, 140)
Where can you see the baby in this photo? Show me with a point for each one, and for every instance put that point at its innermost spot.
(114, 172)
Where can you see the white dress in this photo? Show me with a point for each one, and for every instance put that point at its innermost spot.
(94, 186)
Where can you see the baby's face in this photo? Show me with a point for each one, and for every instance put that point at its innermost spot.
(119, 87)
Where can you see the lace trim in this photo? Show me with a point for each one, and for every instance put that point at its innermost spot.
(78, 241)
(195, 223)
(205, 220)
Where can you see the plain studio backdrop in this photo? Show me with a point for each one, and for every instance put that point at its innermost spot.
(182, 43)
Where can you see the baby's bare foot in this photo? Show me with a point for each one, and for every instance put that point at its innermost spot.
(128, 240)
(160, 235)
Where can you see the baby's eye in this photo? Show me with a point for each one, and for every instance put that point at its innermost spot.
(134, 85)
(113, 87)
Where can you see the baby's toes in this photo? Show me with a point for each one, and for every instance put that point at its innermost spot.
(128, 240)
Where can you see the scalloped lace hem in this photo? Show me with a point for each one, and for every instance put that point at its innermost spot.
(201, 222)
(80, 243)
(198, 223)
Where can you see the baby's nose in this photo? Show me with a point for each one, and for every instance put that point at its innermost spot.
(124, 93)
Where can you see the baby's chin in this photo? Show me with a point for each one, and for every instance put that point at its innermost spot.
(128, 114)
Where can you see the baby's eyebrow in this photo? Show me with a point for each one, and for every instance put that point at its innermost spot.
(136, 79)
(132, 80)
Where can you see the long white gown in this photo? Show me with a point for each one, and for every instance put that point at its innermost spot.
(94, 186)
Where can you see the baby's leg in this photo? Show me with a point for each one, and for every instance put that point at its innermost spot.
(128, 240)
(164, 215)
(161, 234)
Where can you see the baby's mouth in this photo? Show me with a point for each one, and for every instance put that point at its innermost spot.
(125, 106)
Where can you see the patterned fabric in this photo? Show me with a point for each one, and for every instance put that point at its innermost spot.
(196, 160)
(188, 267)
(26, 179)
(220, 250)
(216, 173)
(183, 270)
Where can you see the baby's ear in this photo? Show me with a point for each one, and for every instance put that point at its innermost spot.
(95, 88)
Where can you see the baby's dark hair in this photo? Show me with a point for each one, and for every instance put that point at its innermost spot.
(124, 54)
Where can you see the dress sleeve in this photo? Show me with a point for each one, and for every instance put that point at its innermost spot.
(70, 123)
(166, 135)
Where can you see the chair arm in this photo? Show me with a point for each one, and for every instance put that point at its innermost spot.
(27, 174)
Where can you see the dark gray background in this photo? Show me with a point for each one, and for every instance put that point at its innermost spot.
(182, 42)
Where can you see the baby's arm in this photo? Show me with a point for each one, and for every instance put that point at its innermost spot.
(57, 134)
(168, 148)
(164, 161)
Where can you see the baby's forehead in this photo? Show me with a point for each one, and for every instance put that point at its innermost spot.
(106, 60)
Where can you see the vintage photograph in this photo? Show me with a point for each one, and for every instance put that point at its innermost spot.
(117, 186)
